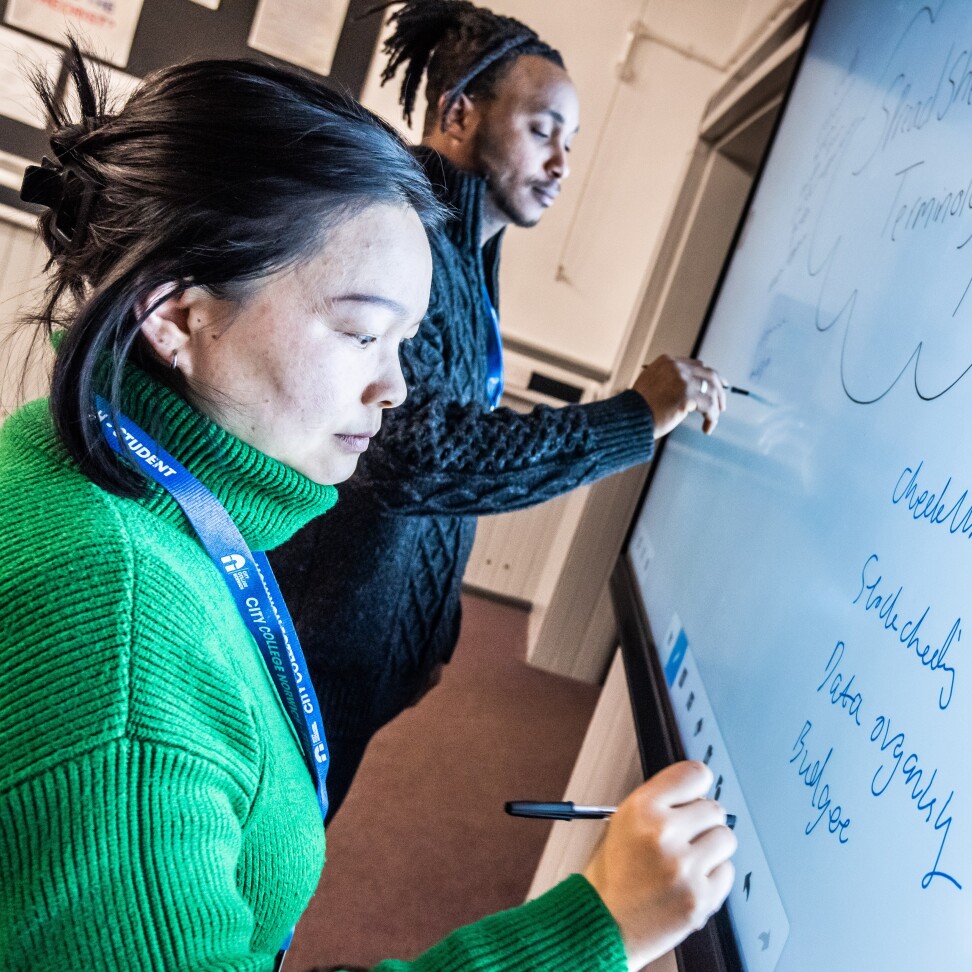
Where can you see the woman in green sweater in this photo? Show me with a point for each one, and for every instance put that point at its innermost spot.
(236, 258)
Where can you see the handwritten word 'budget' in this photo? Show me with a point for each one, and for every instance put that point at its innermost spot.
(811, 771)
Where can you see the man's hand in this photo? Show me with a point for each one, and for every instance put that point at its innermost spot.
(663, 867)
(673, 387)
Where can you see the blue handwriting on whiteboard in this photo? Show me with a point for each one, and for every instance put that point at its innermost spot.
(912, 773)
(812, 772)
(926, 505)
(894, 762)
(884, 606)
(839, 692)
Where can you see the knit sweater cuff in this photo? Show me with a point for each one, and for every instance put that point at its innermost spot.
(624, 430)
(568, 929)
(572, 929)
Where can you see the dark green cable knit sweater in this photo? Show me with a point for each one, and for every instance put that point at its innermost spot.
(374, 586)
(155, 810)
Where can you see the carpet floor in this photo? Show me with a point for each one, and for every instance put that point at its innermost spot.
(422, 845)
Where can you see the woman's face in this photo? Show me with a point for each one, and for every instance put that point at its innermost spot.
(304, 369)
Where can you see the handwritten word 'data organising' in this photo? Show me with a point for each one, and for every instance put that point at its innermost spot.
(811, 771)
(882, 603)
(912, 774)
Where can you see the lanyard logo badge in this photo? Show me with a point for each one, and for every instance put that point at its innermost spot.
(235, 566)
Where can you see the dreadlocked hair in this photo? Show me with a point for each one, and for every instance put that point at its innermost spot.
(459, 47)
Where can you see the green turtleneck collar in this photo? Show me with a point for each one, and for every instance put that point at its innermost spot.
(268, 501)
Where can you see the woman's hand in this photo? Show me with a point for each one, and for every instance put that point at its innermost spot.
(663, 867)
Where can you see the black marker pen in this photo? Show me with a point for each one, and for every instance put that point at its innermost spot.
(736, 390)
(567, 810)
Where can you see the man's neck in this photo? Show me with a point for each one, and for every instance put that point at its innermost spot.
(492, 220)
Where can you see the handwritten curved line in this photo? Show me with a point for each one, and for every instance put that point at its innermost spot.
(826, 262)
(962, 298)
(849, 305)
(915, 356)
(965, 242)
(824, 267)
(870, 401)
(945, 390)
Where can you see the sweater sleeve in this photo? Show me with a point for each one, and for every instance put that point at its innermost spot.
(436, 455)
(568, 929)
(118, 849)
(124, 858)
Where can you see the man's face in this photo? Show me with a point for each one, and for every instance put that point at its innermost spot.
(524, 135)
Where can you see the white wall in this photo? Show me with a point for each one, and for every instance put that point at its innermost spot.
(22, 258)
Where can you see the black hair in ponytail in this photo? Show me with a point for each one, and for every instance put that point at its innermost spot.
(214, 174)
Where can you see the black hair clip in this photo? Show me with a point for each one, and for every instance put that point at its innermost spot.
(64, 189)
(42, 184)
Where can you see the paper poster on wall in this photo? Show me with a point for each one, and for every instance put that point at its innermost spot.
(104, 28)
(302, 32)
(20, 55)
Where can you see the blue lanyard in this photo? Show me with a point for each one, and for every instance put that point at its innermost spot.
(251, 584)
(494, 356)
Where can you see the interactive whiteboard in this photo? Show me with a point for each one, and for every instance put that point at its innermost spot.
(806, 572)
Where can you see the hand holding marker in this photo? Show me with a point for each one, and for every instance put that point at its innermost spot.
(676, 387)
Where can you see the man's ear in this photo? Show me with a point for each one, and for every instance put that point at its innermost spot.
(172, 319)
(462, 119)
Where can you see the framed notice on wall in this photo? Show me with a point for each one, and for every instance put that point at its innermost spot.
(301, 32)
(104, 28)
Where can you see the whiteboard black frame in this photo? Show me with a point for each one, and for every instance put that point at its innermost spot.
(713, 948)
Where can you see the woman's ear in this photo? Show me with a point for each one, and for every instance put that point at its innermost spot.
(172, 318)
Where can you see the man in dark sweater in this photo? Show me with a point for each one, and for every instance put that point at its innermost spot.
(374, 586)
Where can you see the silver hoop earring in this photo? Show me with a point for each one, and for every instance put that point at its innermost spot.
(175, 360)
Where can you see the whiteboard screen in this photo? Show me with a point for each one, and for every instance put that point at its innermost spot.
(807, 571)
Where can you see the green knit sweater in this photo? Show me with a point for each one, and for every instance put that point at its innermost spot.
(155, 810)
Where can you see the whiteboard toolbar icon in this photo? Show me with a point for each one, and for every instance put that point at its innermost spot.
(676, 644)
(761, 925)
